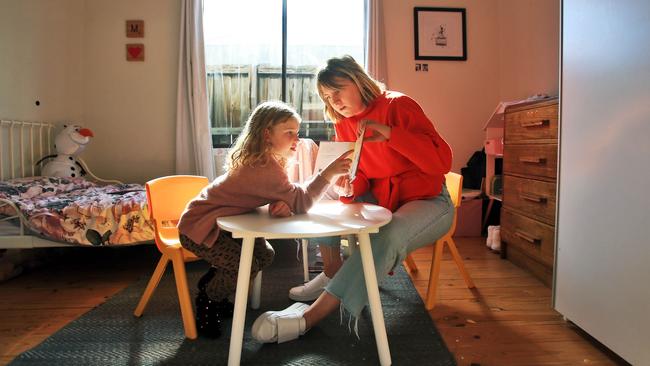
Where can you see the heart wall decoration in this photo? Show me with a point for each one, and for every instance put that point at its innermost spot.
(135, 52)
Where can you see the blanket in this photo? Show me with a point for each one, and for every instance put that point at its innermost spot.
(78, 211)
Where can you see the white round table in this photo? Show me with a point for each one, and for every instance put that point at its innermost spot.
(325, 218)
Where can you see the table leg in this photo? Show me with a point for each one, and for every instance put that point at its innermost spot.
(373, 298)
(305, 259)
(241, 296)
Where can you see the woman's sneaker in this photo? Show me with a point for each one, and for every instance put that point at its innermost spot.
(310, 290)
(280, 326)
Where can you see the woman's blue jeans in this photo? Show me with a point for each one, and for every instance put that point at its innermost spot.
(415, 224)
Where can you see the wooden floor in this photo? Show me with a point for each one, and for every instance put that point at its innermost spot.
(507, 320)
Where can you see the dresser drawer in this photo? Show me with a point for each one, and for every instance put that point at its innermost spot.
(535, 267)
(531, 197)
(533, 237)
(531, 124)
(531, 159)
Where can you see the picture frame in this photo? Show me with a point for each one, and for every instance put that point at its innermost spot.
(440, 34)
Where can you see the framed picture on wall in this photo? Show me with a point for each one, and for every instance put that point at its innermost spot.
(440, 34)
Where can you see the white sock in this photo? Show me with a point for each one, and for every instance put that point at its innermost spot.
(303, 326)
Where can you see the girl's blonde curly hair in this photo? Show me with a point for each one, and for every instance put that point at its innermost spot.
(251, 147)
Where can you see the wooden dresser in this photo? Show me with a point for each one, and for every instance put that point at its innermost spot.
(529, 186)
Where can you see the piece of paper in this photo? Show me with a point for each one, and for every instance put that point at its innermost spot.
(328, 151)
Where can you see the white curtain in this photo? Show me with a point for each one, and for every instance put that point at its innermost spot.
(193, 135)
(375, 42)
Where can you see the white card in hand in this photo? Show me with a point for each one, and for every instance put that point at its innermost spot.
(328, 151)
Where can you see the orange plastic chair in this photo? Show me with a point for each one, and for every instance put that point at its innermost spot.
(167, 198)
(454, 183)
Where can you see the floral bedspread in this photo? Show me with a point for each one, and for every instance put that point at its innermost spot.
(78, 211)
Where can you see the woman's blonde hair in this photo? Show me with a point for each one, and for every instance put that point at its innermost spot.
(251, 147)
(346, 68)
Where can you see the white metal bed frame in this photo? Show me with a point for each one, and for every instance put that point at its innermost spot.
(19, 141)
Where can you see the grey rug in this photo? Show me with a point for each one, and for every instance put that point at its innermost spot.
(111, 335)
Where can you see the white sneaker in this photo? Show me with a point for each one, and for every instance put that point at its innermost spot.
(280, 326)
(310, 290)
(496, 239)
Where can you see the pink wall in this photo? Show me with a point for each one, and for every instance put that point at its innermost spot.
(459, 96)
(512, 53)
(529, 46)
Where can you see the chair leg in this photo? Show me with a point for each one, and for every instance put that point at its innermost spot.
(435, 273)
(352, 243)
(305, 259)
(152, 285)
(487, 213)
(183, 294)
(459, 263)
(409, 262)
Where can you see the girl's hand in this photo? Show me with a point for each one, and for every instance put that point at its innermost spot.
(279, 209)
(342, 187)
(379, 132)
(339, 166)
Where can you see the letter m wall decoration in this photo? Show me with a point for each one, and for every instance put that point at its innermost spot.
(135, 29)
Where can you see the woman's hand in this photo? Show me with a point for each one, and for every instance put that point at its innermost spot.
(343, 187)
(339, 166)
(379, 132)
(279, 209)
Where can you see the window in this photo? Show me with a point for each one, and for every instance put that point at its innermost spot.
(244, 43)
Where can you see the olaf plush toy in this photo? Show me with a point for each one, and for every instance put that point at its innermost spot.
(68, 144)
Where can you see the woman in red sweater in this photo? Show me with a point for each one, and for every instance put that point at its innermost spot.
(402, 168)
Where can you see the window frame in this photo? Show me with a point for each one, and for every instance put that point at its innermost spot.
(316, 129)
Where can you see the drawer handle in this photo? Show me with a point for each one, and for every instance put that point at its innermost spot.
(529, 238)
(533, 197)
(538, 123)
(532, 160)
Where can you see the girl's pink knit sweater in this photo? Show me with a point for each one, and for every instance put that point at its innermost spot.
(246, 189)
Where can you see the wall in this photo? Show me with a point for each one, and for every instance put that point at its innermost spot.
(460, 96)
(529, 38)
(70, 55)
(131, 106)
(41, 48)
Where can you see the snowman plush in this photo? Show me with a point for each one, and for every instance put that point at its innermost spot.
(68, 144)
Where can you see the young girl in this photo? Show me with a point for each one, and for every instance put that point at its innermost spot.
(256, 176)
